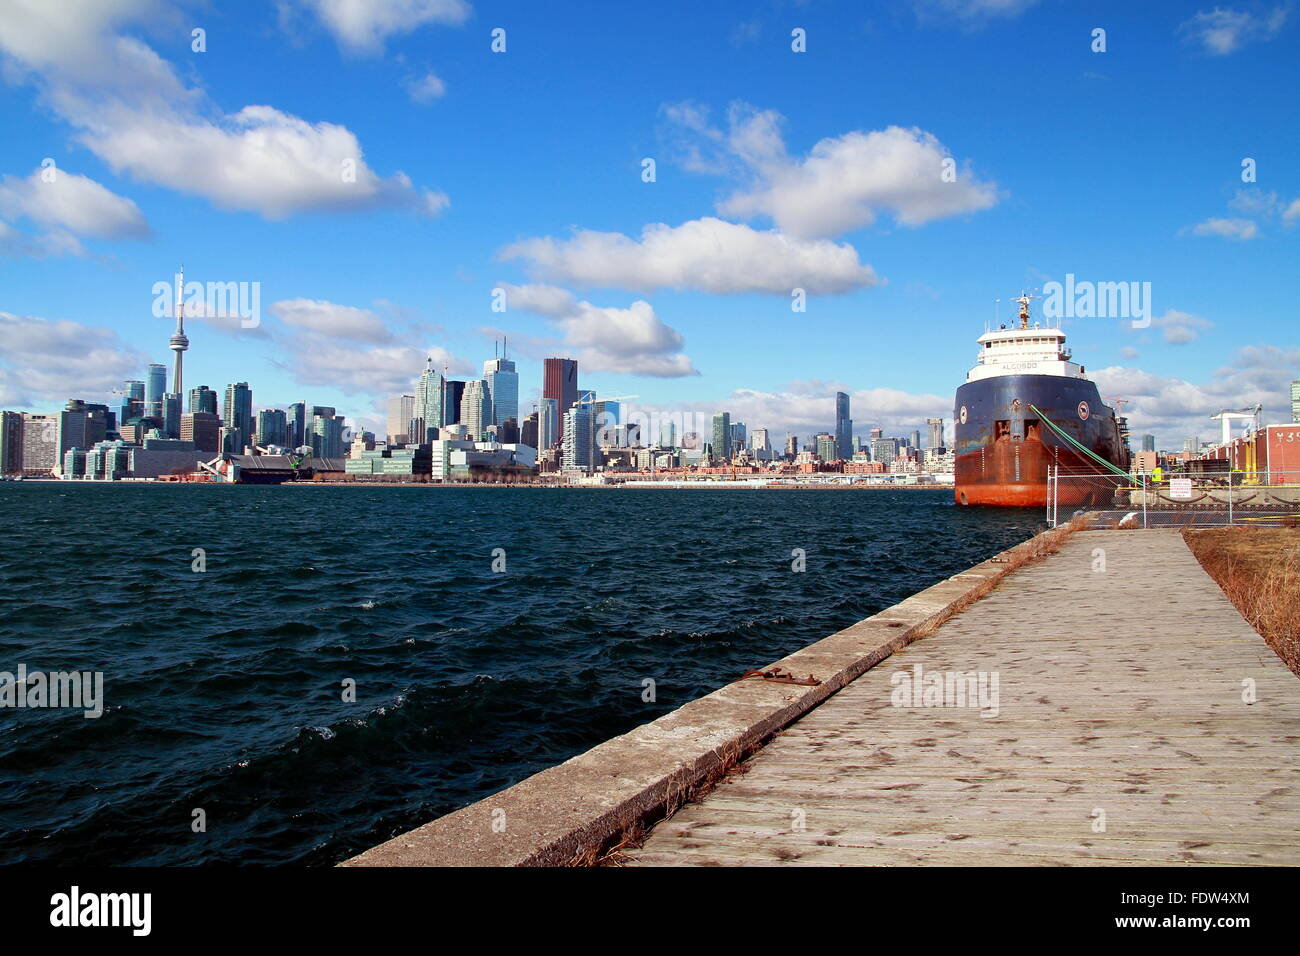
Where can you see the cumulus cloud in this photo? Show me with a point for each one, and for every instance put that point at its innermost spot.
(608, 339)
(969, 13)
(1181, 327)
(131, 109)
(1292, 214)
(331, 320)
(354, 368)
(707, 255)
(44, 362)
(1235, 229)
(844, 183)
(362, 26)
(1223, 31)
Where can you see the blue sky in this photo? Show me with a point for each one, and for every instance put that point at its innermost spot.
(522, 171)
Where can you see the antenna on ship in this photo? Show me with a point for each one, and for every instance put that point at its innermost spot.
(1023, 300)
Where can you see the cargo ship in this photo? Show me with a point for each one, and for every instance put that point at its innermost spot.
(1025, 411)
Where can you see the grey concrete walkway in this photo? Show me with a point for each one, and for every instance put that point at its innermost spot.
(1121, 737)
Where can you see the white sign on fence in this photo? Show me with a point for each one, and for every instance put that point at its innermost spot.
(1180, 487)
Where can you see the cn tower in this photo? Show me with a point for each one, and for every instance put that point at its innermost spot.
(179, 343)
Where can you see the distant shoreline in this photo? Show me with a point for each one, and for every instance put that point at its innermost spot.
(617, 486)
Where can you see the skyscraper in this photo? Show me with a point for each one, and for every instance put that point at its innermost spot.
(1295, 401)
(721, 444)
(326, 435)
(1148, 442)
(40, 443)
(237, 410)
(179, 343)
(843, 427)
(155, 387)
(171, 415)
(828, 446)
(936, 432)
(503, 389)
(916, 438)
(132, 401)
(203, 399)
(560, 382)
(528, 431)
(272, 427)
(606, 416)
(791, 446)
(401, 409)
(80, 426)
(296, 424)
(759, 444)
(453, 393)
(738, 440)
(429, 406)
(579, 439)
(476, 409)
(11, 443)
(548, 423)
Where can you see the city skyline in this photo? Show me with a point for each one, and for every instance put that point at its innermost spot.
(363, 279)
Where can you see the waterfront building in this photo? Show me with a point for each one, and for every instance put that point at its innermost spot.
(203, 399)
(40, 444)
(578, 440)
(560, 382)
(11, 443)
(202, 430)
(272, 427)
(721, 443)
(155, 387)
(296, 424)
(548, 423)
(401, 409)
(843, 427)
(936, 432)
(476, 409)
(502, 382)
(80, 426)
(73, 464)
(237, 411)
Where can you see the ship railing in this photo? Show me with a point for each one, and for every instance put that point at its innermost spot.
(1193, 497)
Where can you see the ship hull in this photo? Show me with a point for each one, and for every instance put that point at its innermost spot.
(1004, 453)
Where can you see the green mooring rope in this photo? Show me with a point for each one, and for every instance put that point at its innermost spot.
(1051, 424)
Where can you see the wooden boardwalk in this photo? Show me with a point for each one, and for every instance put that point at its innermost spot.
(1121, 737)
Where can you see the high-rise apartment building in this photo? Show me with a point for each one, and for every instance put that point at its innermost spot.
(476, 409)
(326, 435)
(237, 410)
(548, 423)
(721, 444)
(828, 447)
(579, 440)
(295, 418)
(936, 432)
(791, 446)
(272, 427)
(429, 404)
(40, 444)
(560, 382)
(738, 439)
(503, 389)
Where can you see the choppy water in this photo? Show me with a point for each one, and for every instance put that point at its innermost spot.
(224, 688)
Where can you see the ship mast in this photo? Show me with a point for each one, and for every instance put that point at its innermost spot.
(1024, 308)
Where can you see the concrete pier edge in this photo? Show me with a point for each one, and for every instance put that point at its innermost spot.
(568, 815)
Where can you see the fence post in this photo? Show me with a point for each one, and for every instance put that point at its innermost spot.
(1048, 516)
(1144, 500)
(1229, 492)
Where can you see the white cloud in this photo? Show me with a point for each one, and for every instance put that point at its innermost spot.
(1173, 408)
(45, 362)
(426, 89)
(1292, 214)
(844, 183)
(130, 108)
(968, 13)
(1221, 32)
(73, 202)
(362, 26)
(331, 320)
(353, 369)
(707, 255)
(1181, 327)
(1235, 229)
(634, 340)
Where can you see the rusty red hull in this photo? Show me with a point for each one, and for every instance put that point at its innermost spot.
(1004, 452)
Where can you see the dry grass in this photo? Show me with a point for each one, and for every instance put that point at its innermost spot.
(1259, 571)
